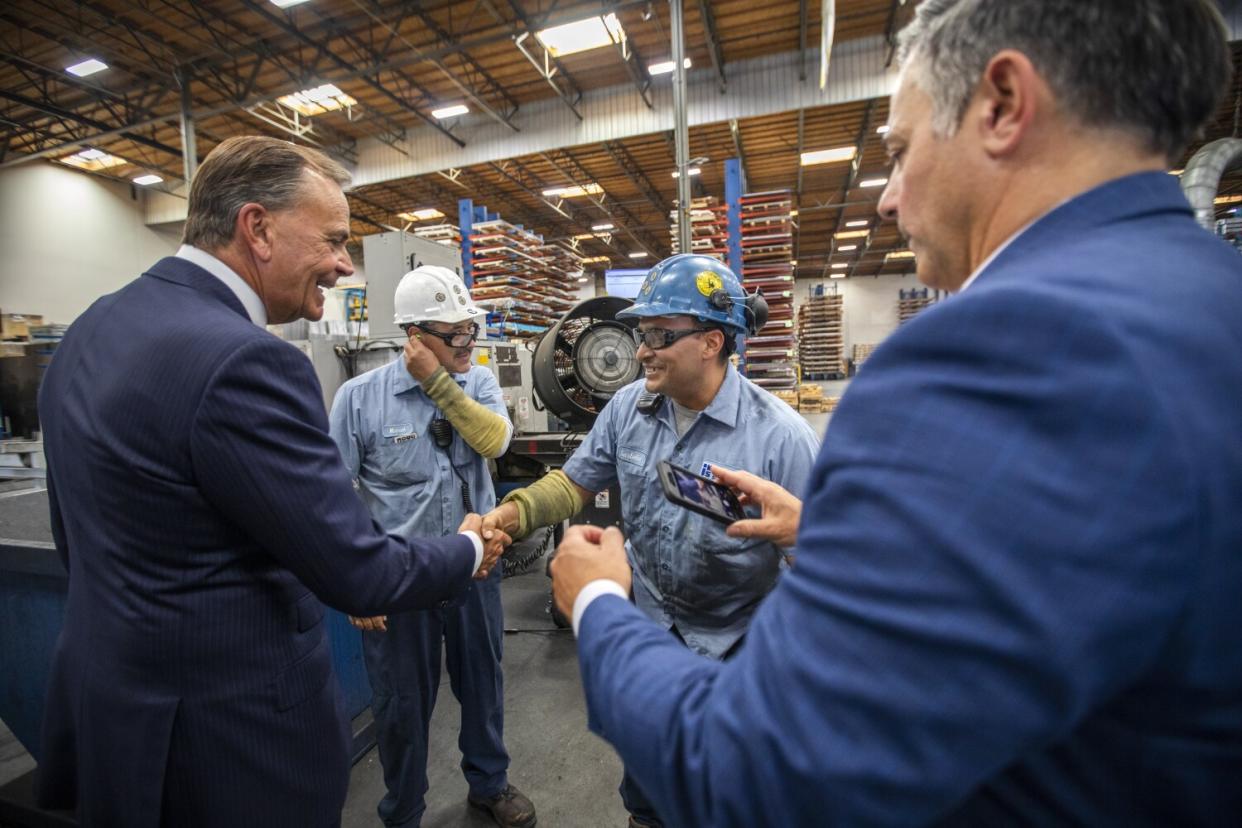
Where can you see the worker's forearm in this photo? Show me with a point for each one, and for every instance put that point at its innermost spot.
(550, 499)
(484, 430)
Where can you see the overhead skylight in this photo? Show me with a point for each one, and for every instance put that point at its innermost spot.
(316, 101)
(899, 254)
(852, 234)
(421, 214)
(828, 156)
(86, 67)
(147, 180)
(93, 160)
(581, 35)
(575, 191)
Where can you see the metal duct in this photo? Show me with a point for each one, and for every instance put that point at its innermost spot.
(1201, 179)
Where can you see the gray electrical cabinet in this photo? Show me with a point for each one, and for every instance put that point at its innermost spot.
(510, 362)
(389, 256)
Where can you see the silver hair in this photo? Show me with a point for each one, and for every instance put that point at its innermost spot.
(250, 169)
(1156, 69)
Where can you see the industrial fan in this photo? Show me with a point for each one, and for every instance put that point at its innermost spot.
(584, 359)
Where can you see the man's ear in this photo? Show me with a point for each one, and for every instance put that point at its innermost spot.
(254, 228)
(714, 335)
(1009, 97)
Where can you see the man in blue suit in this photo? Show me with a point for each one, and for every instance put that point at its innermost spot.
(1016, 598)
(202, 513)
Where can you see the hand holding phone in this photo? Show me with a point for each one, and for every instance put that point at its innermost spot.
(699, 494)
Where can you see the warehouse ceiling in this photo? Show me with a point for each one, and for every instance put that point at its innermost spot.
(393, 63)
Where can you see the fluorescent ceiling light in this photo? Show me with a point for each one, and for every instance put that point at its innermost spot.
(602, 226)
(639, 254)
(840, 266)
(318, 100)
(594, 259)
(449, 111)
(574, 191)
(421, 214)
(144, 180)
(843, 248)
(690, 172)
(852, 234)
(829, 156)
(1227, 199)
(883, 130)
(900, 254)
(857, 223)
(583, 279)
(86, 67)
(873, 182)
(665, 67)
(284, 4)
(581, 35)
(836, 275)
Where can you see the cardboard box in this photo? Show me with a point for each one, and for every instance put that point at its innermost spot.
(18, 325)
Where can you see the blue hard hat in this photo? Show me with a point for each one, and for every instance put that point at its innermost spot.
(693, 285)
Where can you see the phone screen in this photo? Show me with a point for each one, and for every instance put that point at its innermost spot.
(707, 494)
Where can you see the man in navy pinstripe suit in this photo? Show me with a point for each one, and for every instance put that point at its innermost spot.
(1018, 590)
(202, 513)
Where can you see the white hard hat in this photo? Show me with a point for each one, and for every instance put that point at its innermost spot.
(430, 293)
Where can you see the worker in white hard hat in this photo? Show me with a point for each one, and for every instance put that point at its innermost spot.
(417, 434)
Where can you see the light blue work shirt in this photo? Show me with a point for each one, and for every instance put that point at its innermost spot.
(380, 422)
(687, 572)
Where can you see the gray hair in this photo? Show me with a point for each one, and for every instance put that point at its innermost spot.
(251, 169)
(1156, 69)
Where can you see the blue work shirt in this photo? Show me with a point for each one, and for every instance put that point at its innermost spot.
(687, 572)
(380, 422)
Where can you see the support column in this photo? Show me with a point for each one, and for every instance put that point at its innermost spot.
(465, 221)
(681, 132)
(189, 142)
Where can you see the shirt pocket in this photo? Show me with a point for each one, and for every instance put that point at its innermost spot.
(634, 474)
(404, 456)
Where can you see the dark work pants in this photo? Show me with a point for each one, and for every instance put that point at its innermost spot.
(632, 797)
(404, 667)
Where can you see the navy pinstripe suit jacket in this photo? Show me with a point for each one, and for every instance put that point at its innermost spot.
(200, 507)
(1018, 590)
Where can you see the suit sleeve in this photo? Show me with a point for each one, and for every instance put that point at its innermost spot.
(263, 457)
(998, 538)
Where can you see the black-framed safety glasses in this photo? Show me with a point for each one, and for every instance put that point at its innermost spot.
(454, 339)
(659, 338)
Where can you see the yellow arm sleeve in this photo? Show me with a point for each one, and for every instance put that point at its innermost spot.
(484, 430)
(550, 499)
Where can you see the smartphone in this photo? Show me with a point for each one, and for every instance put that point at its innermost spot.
(699, 494)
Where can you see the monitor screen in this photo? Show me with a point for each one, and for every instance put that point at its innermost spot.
(624, 282)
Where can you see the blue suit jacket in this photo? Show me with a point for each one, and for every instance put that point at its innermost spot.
(200, 508)
(1018, 589)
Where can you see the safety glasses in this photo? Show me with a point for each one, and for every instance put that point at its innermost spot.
(454, 339)
(659, 338)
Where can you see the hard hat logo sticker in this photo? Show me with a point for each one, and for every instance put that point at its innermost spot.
(708, 282)
(647, 283)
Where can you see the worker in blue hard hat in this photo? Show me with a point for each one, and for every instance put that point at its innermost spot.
(693, 409)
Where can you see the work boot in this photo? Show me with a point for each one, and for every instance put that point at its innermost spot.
(510, 808)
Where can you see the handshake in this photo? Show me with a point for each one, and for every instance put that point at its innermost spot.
(495, 529)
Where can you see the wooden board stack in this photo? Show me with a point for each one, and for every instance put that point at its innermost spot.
(709, 228)
(529, 283)
(767, 265)
(821, 344)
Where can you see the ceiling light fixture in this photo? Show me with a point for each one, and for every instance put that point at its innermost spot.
(873, 182)
(449, 111)
(603, 226)
(665, 67)
(852, 234)
(691, 172)
(840, 266)
(284, 4)
(318, 100)
(581, 35)
(846, 247)
(836, 275)
(145, 180)
(829, 156)
(857, 223)
(1227, 199)
(639, 254)
(899, 254)
(86, 67)
(883, 130)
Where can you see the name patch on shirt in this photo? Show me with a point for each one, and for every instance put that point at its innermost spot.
(399, 432)
(632, 456)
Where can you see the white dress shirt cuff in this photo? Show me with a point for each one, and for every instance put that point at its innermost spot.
(478, 548)
(593, 590)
